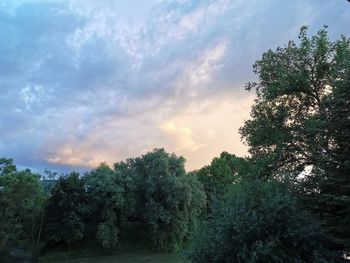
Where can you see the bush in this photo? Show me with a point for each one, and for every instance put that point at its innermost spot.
(261, 222)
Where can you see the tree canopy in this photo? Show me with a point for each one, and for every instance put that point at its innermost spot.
(21, 201)
(261, 222)
(153, 191)
(301, 117)
(167, 199)
(66, 209)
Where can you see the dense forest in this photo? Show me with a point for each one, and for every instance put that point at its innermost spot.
(288, 201)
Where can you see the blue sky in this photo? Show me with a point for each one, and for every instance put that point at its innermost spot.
(85, 81)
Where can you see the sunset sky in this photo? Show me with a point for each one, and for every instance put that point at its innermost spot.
(83, 82)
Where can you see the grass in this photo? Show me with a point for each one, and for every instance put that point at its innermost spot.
(136, 257)
(125, 253)
(128, 251)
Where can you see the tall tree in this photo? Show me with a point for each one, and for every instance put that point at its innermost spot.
(333, 182)
(66, 210)
(301, 117)
(106, 199)
(168, 200)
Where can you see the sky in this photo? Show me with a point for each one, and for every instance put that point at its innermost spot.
(85, 81)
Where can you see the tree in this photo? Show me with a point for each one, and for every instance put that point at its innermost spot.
(261, 222)
(333, 182)
(219, 176)
(126, 178)
(21, 202)
(7, 166)
(152, 190)
(300, 118)
(66, 210)
(167, 201)
(106, 199)
(293, 82)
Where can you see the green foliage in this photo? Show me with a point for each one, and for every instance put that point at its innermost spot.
(124, 172)
(221, 173)
(107, 232)
(167, 200)
(293, 83)
(106, 199)
(300, 118)
(7, 166)
(21, 200)
(334, 197)
(261, 222)
(66, 210)
(152, 190)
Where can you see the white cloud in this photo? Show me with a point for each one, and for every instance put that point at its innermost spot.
(197, 19)
(207, 64)
(31, 95)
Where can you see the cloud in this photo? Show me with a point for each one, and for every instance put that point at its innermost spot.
(31, 95)
(86, 81)
(181, 137)
(209, 62)
(208, 126)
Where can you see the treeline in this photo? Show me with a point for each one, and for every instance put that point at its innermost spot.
(263, 208)
(149, 197)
